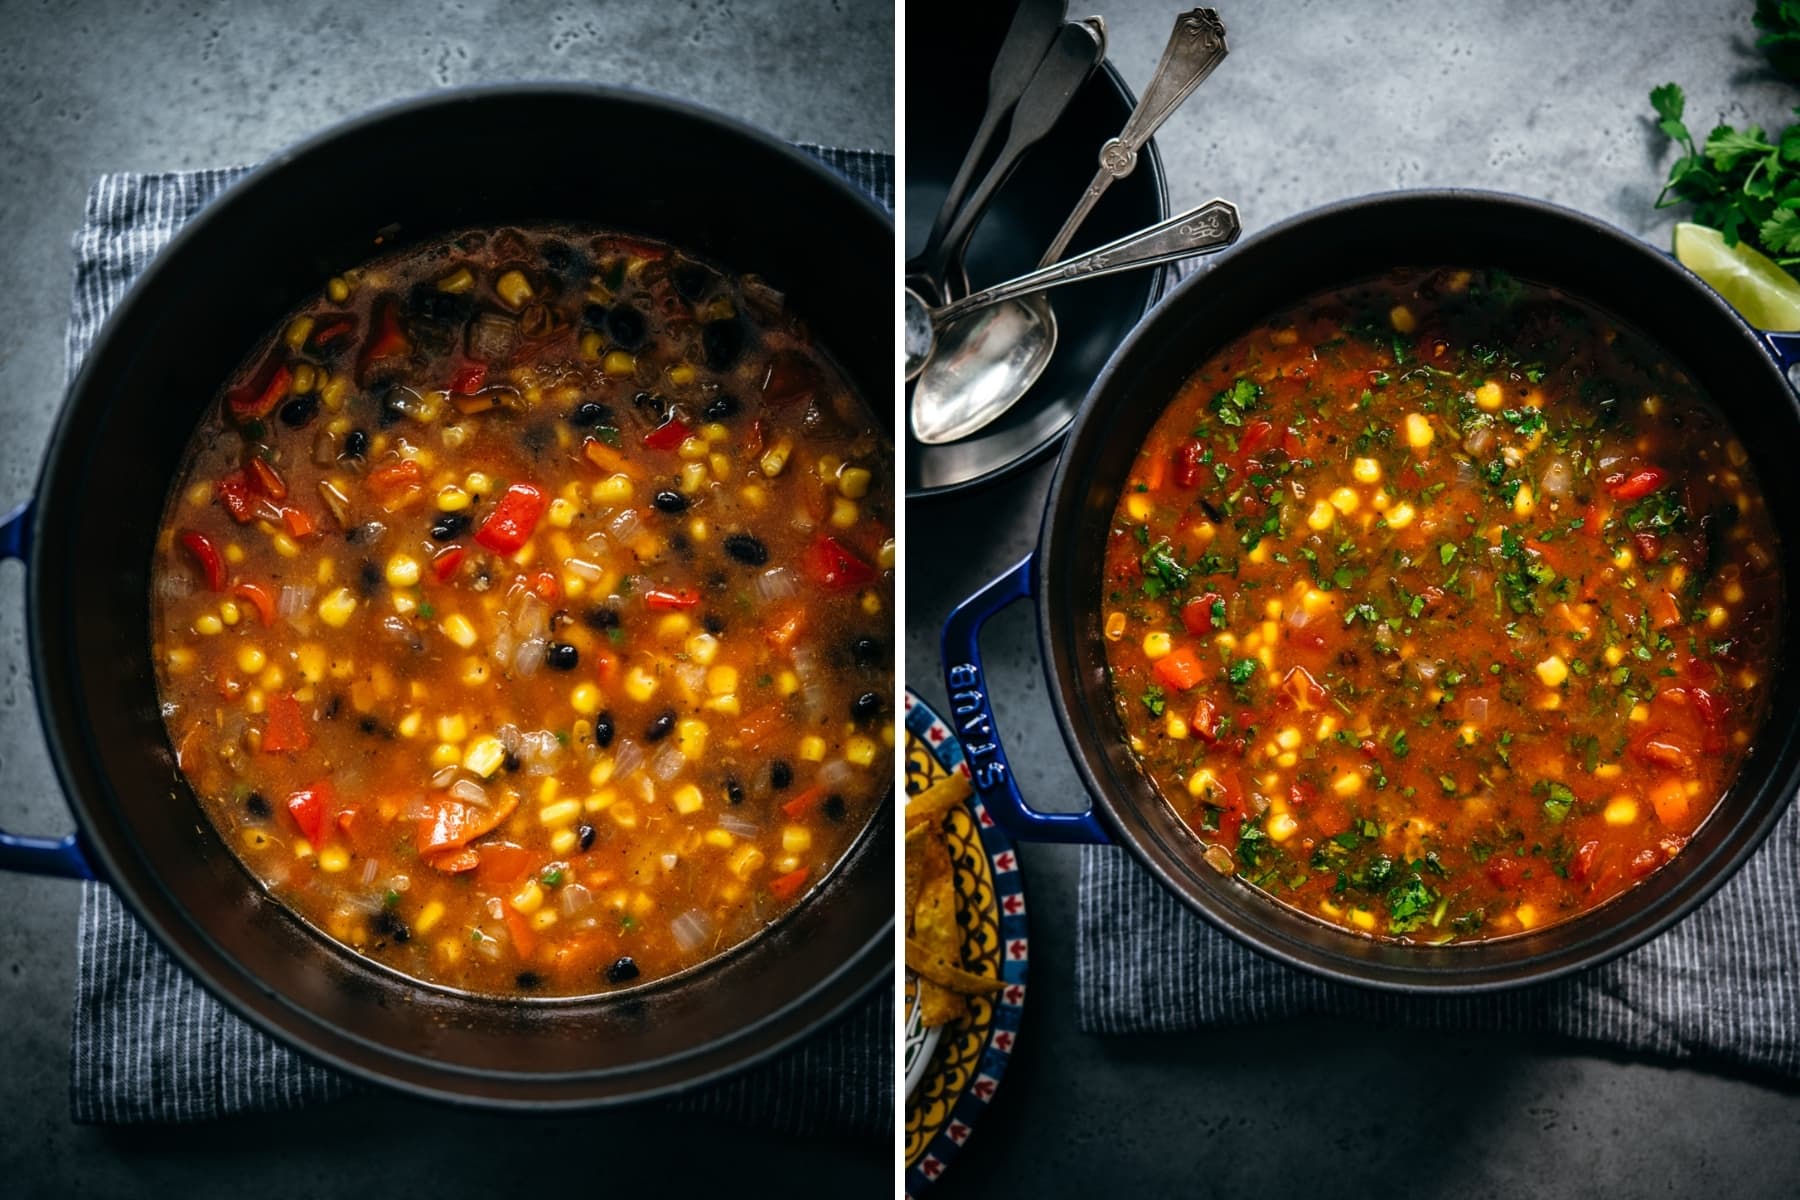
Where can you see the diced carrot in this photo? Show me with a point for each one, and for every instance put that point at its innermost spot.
(503, 864)
(1665, 610)
(524, 938)
(804, 803)
(1179, 669)
(605, 457)
(396, 484)
(455, 824)
(784, 630)
(454, 862)
(786, 887)
(286, 729)
(298, 521)
(1670, 799)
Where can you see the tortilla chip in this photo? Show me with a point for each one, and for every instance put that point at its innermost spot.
(915, 869)
(935, 968)
(934, 921)
(939, 1005)
(939, 798)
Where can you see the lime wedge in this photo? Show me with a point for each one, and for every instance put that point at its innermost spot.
(1767, 296)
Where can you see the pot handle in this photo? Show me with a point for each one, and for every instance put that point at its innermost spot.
(972, 717)
(62, 856)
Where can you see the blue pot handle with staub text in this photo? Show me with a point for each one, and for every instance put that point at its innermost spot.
(35, 855)
(971, 715)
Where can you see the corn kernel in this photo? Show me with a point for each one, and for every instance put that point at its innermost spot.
(1366, 470)
(1345, 500)
(474, 671)
(674, 626)
(513, 289)
(1402, 319)
(484, 756)
(410, 724)
(1281, 827)
(333, 859)
(844, 513)
(1400, 516)
(453, 727)
(1157, 644)
(690, 737)
(338, 289)
(1524, 503)
(1620, 810)
(861, 751)
(285, 546)
(1614, 655)
(336, 607)
(812, 748)
(1137, 506)
(1202, 782)
(775, 457)
(585, 699)
(722, 680)
(1175, 727)
(562, 812)
(445, 755)
(1488, 396)
(529, 899)
(451, 498)
(745, 861)
(298, 330)
(456, 627)
(430, 915)
(402, 571)
(640, 685)
(1362, 918)
(787, 683)
(1321, 517)
(1347, 784)
(871, 603)
(229, 613)
(618, 362)
(1115, 626)
(1716, 617)
(688, 799)
(1553, 671)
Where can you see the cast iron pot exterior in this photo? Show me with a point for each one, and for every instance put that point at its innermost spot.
(476, 157)
(1743, 370)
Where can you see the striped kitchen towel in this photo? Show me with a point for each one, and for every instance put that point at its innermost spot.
(150, 1044)
(1721, 986)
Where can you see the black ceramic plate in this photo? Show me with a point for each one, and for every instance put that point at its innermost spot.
(1092, 317)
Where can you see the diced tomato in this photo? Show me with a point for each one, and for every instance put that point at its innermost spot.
(804, 803)
(258, 397)
(454, 862)
(830, 563)
(395, 484)
(445, 562)
(468, 381)
(1645, 862)
(1302, 794)
(503, 866)
(1665, 610)
(786, 887)
(544, 583)
(1305, 692)
(265, 479)
(1197, 615)
(1584, 861)
(511, 523)
(1205, 724)
(1187, 463)
(1505, 872)
(1636, 485)
(791, 379)
(235, 494)
(518, 927)
(671, 597)
(453, 824)
(1231, 824)
(387, 339)
(1179, 669)
(606, 666)
(782, 632)
(259, 598)
(1257, 434)
(670, 434)
(212, 563)
(1670, 800)
(310, 807)
(286, 729)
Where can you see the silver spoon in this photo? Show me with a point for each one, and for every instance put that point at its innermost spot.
(1212, 226)
(987, 361)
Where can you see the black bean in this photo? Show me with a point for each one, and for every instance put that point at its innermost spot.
(603, 730)
(721, 407)
(625, 326)
(734, 791)
(780, 774)
(585, 837)
(594, 316)
(623, 971)
(654, 407)
(670, 502)
(662, 727)
(833, 808)
(387, 923)
(367, 725)
(678, 542)
(865, 706)
(722, 342)
(601, 617)
(528, 980)
(449, 525)
(561, 656)
(590, 413)
(369, 576)
(356, 444)
(865, 651)
(257, 804)
(747, 549)
(512, 762)
(427, 302)
(559, 256)
(298, 411)
(713, 623)
(691, 281)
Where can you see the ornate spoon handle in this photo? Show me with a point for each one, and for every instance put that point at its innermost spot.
(1196, 47)
(1212, 226)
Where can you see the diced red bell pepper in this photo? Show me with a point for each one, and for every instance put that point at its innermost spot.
(265, 480)
(387, 339)
(510, 525)
(447, 560)
(1636, 485)
(503, 865)
(1302, 794)
(468, 381)
(286, 729)
(1187, 463)
(670, 434)
(311, 808)
(1179, 669)
(671, 598)
(207, 555)
(260, 598)
(258, 396)
(235, 493)
(1197, 615)
(328, 333)
(648, 251)
(524, 938)
(804, 803)
(394, 484)
(786, 887)
(298, 522)
(830, 563)
(545, 584)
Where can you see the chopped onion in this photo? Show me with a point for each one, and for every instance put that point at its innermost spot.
(470, 792)
(1475, 709)
(626, 759)
(1426, 671)
(1479, 442)
(691, 929)
(503, 645)
(739, 826)
(444, 777)
(692, 676)
(667, 764)
(174, 585)
(575, 897)
(777, 583)
(539, 752)
(370, 866)
(582, 569)
(1559, 477)
(294, 600)
(489, 945)
(836, 774)
(1298, 617)
(625, 526)
(669, 861)
(529, 657)
(508, 735)
(400, 883)
(421, 809)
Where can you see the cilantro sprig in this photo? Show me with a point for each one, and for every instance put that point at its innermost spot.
(1742, 182)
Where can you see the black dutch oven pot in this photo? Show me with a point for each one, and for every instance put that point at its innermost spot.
(1742, 369)
(476, 157)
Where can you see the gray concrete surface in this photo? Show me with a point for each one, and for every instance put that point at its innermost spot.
(86, 88)
(1319, 101)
